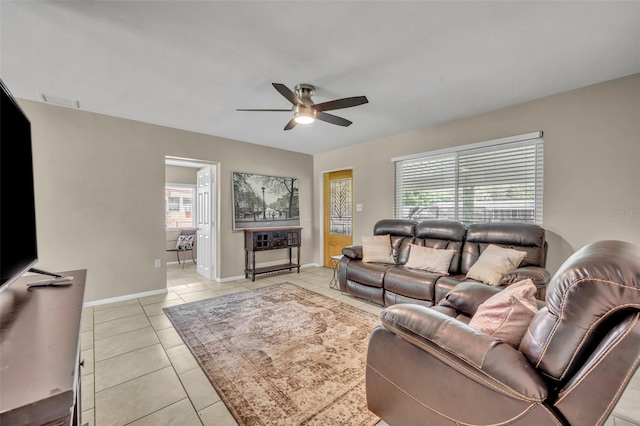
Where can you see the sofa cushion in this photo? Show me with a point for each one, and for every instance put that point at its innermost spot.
(374, 294)
(525, 237)
(400, 247)
(445, 284)
(443, 234)
(402, 233)
(493, 263)
(377, 248)
(401, 227)
(368, 274)
(412, 283)
(430, 259)
(391, 298)
(506, 315)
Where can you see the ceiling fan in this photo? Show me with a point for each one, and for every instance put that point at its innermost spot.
(305, 111)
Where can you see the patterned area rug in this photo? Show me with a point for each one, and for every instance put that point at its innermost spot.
(281, 355)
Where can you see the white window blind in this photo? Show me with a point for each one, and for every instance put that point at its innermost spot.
(494, 181)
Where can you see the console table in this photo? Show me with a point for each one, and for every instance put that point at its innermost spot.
(40, 347)
(256, 240)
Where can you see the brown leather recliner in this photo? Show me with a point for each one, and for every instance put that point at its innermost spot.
(426, 366)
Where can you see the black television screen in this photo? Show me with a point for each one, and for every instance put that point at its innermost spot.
(18, 244)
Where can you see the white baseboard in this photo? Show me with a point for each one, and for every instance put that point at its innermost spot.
(123, 298)
(164, 290)
(175, 262)
(225, 280)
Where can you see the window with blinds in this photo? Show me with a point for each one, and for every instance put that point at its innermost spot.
(493, 181)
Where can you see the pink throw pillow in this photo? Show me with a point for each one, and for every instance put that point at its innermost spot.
(506, 315)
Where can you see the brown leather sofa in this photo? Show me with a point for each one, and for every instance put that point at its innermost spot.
(426, 366)
(387, 284)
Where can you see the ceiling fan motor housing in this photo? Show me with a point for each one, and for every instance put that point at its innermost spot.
(305, 92)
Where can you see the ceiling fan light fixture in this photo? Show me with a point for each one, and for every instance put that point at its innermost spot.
(304, 119)
(303, 115)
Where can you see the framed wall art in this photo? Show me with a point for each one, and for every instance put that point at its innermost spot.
(262, 201)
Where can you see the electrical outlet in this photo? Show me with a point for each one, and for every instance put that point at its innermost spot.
(358, 207)
(158, 263)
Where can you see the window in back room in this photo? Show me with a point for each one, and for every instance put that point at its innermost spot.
(179, 212)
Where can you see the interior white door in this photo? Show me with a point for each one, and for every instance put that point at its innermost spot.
(206, 190)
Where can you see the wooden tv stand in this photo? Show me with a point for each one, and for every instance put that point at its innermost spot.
(270, 239)
(40, 352)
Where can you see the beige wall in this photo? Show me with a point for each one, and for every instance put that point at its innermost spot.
(591, 163)
(100, 180)
(181, 175)
(100, 195)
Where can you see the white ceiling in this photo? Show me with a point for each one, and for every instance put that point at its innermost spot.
(190, 65)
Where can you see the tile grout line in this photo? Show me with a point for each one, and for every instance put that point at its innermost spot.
(177, 374)
(160, 409)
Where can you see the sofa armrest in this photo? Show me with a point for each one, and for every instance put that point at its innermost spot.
(467, 296)
(540, 276)
(354, 252)
(467, 350)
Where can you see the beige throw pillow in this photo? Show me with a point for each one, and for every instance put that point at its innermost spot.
(506, 315)
(377, 248)
(493, 263)
(430, 259)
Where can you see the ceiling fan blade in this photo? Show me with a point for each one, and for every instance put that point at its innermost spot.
(283, 110)
(341, 103)
(333, 119)
(287, 93)
(291, 124)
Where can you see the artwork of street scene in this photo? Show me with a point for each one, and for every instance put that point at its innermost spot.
(261, 201)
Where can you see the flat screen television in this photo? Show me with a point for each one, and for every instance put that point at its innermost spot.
(18, 244)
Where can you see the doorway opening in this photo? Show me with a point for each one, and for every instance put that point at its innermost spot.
(197, 210)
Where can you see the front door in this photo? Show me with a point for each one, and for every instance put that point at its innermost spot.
(206, 221)
(338, 209)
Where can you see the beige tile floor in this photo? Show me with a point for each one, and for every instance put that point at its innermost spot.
(139, 372)
(137, 369)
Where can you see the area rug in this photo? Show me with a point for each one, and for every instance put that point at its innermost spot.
(281, 355)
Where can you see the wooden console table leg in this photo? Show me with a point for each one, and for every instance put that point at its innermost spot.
(246, 263)
(290, 259)
(253, 267)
